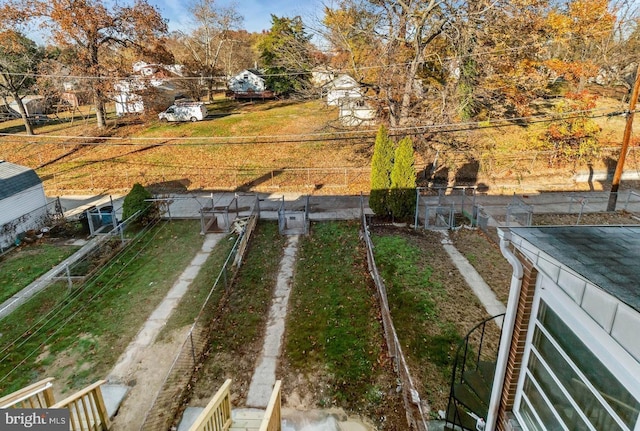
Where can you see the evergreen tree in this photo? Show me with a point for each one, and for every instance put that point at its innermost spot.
(285, 51)
(402, 198)
(381, 164)
(137, 200)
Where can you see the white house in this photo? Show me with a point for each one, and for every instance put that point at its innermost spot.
(248, 81)
(22, 202)
(153, 79)
(346, 93)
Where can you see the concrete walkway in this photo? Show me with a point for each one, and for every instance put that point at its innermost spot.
(475, 281)
(154, 324)
(127, 363)
(264, 376)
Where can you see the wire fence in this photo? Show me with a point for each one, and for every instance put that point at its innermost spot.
(83, 273)
(415, 415)
(177, 178)
(176, 385)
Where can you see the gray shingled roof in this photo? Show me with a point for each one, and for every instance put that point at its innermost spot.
(608, 256)
(15, 179)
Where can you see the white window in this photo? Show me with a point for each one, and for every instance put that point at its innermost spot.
(570, 385)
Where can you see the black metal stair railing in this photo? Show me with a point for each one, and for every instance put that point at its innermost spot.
(472, 377)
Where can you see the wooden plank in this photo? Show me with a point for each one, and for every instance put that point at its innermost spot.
(43, 386)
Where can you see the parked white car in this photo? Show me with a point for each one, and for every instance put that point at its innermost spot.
(193, 111)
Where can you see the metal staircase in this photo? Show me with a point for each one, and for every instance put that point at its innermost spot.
(471, 379)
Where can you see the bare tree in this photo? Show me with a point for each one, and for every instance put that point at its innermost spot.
(215, 28)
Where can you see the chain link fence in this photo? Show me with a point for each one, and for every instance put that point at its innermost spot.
(176, 386)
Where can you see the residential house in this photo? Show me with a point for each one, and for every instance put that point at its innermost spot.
(569, 355)
(343, 91)
(153, 80)
(249, 84)
(22, 201)
(33, 105)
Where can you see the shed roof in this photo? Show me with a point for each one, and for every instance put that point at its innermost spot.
(607, 256)
(15, 179)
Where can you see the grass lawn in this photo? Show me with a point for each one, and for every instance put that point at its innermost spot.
(21, 267)
(191, 303)
(239, 322)
(333, 335)
(431, 306)
(77, 336)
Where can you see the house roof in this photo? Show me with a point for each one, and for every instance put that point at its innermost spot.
(15, 179)
(607, 256)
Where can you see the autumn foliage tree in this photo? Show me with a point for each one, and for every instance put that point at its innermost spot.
(95, 31)
(574, 135)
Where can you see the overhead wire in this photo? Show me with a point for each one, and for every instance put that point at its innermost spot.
(68, 301)
(34, 332)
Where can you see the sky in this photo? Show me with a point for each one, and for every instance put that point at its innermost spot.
(256, 13)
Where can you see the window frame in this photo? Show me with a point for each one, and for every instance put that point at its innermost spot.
(618, 361)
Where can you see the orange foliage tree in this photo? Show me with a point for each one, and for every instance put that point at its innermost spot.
(574, 135)
(95, 33)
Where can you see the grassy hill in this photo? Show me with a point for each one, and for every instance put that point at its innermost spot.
(279, 146)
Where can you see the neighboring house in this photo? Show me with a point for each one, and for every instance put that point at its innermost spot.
(33, 105)
(569, 357)
(153, 80)
(248, 84)
(22, 202)
(321, 76)
(346, 93)
(7, 113)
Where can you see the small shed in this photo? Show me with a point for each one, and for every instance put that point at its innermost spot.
(22, 201)
(33, 105)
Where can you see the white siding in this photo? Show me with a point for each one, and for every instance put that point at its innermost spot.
(246, 81)
(29, 203)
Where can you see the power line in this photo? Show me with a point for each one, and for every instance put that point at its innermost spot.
(488, 53)
(311, 137)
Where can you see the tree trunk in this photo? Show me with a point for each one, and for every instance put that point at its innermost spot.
(23, 113)
(100, 113)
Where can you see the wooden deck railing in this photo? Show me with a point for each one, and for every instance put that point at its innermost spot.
(272, 417)
(217, 415)
(86, 409)
(36, 396)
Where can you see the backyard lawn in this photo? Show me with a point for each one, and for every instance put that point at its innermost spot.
(76, 336)
(431, 305)
(22, 266)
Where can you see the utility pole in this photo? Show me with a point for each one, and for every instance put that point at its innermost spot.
(615, 184)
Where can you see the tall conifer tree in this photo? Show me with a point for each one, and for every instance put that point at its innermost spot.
(402, 198)
(381, 165)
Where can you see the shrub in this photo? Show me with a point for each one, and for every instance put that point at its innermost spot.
(402, 199)
(136, 201)
(381, 165)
